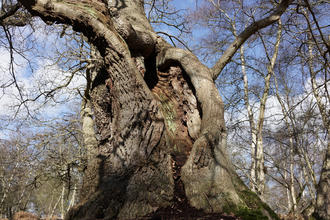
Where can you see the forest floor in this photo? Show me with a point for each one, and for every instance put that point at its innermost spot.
(182, 210)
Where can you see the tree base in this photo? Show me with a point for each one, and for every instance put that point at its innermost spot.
(183, 210)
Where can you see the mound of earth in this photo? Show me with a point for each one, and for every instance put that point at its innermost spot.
(182, 210)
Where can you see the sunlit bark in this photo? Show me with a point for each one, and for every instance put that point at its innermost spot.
(323, 189)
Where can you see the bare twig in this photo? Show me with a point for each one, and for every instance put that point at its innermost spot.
(208, 201)
(171, 36)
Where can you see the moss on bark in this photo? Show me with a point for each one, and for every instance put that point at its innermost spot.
(255, 207)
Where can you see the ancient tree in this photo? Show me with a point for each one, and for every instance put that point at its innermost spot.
(155, 107)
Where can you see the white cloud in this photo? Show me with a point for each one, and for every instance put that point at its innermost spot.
(274, 117)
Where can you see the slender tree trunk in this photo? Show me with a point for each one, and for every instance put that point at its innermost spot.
(287, 121)
(310, 184)
(287, 191)
(322, 210)
(54, 208)
(292, 190)
(257, 152)
(86, 114)
(23, 196)
(253, 175)
(260, 167)
(50, 206)
(309, 178)
(73, 198)
(62, 201)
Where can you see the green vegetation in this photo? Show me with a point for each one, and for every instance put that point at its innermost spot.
(252, 201)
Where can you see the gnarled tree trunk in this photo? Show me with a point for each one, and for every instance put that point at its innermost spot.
(155, 106)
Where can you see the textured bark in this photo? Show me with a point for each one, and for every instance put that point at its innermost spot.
(323, 189)
(152, 103)
(88, 128)
(322, 209)
(206, 172)
(179, 107)
(133, 162)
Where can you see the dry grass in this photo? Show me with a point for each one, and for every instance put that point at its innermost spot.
(25, 216)
(291, 217)
(55, 217)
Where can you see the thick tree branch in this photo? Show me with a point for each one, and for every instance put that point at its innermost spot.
(89, 20)
(248, 32)
(10, 12)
